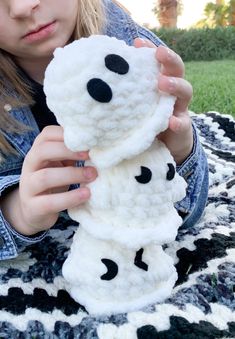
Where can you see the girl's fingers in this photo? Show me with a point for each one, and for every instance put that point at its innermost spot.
(50, 133)
(172, 64)
(178, 87)
(172, 71)
(42, 154)
(179, 124)
(138, 42)
(51, 178)
(54, 203)
(49, 146)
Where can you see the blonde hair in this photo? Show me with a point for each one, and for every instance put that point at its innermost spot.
(90, 20)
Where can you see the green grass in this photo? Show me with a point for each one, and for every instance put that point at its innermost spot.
(213, 85)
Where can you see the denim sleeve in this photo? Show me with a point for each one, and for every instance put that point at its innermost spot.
(12, 242)
(195, 172)
(144, 33)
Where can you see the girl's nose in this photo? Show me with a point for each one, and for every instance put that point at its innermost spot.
(22, 8)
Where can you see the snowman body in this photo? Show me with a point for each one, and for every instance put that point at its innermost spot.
(108, 278)
(111, 108)
(132, 202)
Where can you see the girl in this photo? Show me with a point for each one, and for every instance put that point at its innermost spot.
(38, 173)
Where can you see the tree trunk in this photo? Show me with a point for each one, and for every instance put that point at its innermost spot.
(232, 13)
(167, 13)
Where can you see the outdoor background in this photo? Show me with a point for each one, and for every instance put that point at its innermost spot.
(203, 33)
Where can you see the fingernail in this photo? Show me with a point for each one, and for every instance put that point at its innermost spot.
(82, 155)
(172, 84)
(84, 193)
(89, 173)
(177, 125)
(170, 54)
(142, 40)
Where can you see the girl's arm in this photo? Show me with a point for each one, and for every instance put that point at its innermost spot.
(48, 171)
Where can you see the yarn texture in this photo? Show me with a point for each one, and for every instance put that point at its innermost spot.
(109, 105)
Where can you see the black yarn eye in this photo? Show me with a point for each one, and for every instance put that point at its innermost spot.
(138, 260)
(145, 176)
(99, 90)
(171, 172)
(115, 63)
(112, 269)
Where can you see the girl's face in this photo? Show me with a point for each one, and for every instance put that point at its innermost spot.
(32, 29)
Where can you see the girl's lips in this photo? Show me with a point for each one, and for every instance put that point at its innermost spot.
(42, 33)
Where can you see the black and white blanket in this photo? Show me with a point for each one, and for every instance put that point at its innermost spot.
(35, 304)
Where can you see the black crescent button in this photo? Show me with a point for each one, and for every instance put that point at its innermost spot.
(112, 269)
(171, 172)
(139, 262)
(145, 176)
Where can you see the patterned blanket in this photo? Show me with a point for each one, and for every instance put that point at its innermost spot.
(35, 304)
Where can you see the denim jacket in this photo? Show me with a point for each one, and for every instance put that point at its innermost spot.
(194, 169)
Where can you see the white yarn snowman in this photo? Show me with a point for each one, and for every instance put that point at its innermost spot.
(104, 94)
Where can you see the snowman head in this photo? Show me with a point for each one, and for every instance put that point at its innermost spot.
(104, 94)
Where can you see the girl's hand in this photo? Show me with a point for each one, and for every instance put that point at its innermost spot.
(179, 136)
(48, 171)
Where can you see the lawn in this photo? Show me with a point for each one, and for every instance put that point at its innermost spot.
(213, 85)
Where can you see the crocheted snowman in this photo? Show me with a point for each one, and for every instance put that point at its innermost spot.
(104, 94)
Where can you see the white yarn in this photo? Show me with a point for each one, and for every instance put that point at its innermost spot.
(131, 210)
(122, 128)
(134, 214)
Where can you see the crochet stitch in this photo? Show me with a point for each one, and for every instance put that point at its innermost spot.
(116, 262)
(33, 297)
